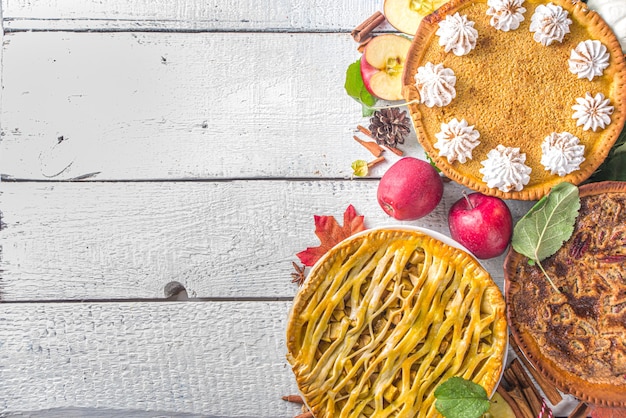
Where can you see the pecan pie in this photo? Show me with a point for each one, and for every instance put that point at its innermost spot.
(577, 337)
(511, 97)
(385, 317)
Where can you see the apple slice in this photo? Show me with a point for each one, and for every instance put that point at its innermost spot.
(367, 71)
(406, 15)
(499, 407)
(382, 64)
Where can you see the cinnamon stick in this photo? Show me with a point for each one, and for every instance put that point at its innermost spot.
(365, 29)
(293, 398)
(307, 414)
(533, 400)
(519, 392)
(362, 45)
(365, 131)
(551, 392)
(375, 162)
(395, 150)
(520, 401)
(528, 388)
(581, 411)
(372, 147)
(517, 411)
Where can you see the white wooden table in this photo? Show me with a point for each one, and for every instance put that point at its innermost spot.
(151, 142)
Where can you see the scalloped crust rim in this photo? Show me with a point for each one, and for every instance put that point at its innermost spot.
(598, 394)
(595, 24)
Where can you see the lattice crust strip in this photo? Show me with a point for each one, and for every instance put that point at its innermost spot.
(385, 317)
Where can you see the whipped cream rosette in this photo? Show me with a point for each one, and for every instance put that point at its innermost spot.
(457, 140)
(505, 15)
(562, 153)
(435, 84)
(457, 34)
(505, 169)
(589, 59)
(593, 112)
(550, 23)
(537, 68)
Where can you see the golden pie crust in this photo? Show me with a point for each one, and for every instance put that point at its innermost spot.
(515, 92)
(387, 315)
(578, 338)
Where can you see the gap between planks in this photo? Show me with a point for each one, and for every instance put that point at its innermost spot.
(160, 27)
(92, 178)
(154, 300)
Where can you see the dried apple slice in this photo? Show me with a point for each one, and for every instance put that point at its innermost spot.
(406, 15)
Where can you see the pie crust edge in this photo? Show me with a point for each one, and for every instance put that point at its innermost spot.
(492, 293)
(596, 27)
(597, 394)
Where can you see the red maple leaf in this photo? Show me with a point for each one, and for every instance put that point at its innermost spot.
(597, 412)
(330, 233)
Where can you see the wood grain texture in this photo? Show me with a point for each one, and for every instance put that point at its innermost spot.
(172, 106)
(209, 15)
(219, 239)
(247, 100)
(207, 359)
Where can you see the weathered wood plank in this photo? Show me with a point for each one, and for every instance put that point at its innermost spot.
(210, 15)
(207, 359)
(172, 106)
(219, 239)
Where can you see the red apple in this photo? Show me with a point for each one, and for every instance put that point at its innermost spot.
(406, 15)
(382, 64)
(410, 189)
(483, 224)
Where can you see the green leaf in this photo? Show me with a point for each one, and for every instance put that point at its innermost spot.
(613, 168)
(461, 398)
(549, 223)
(356, 88)
(621, 139)
(432, 162)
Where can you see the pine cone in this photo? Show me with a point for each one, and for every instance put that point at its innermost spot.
(390, 126)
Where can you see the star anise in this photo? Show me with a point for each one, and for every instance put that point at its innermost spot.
(298, 275)
(390, 126)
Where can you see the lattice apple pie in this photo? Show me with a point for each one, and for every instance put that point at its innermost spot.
(385, 317)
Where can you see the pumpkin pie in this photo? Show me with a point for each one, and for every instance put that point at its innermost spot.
(511, 97)
(385, 317)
